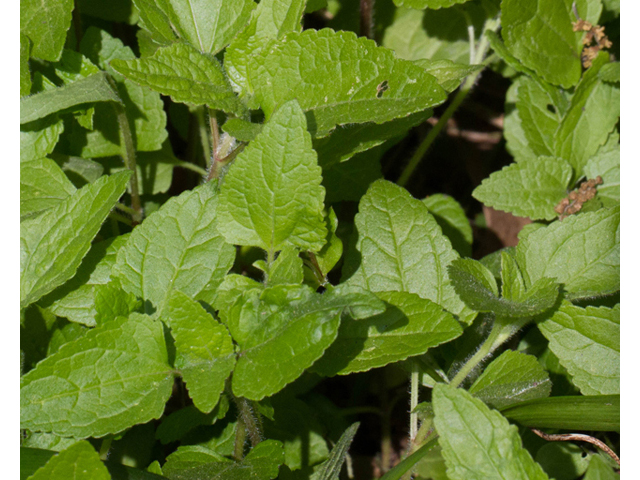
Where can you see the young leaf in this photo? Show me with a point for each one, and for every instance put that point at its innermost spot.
(330, 254)
(111, 301)
(78, 462)
(330, 469)
(511, 378)
(587, 343)
(452, 220)
(403, 249)
(409, 326)
(582, 252)
(512, 282)
(286, 269)
(185, 74)
(25, 74)
(43, 185)
(339, 92)
(115, 376)
(529, 188)
(478, 443)
(204, 352)
(177, 247)
(94, 88)
(271, 196)
(46, 22)
(52, 245)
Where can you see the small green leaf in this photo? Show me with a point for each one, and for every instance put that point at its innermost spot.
(52, 245)
(78, 462)
(606, 163)
(242, 129)
(204, 352)
(115, 376)
(409, 326)
(177, 247)
(587, 343)
(287, 268)
(563, 460)
(94, 88)
(39, 138)
(430, 4)
(46, 23)
(43, 185)
(452, 220)
(330, 254)
(582, 252)
(25, 73)
(403, 249)
(355, 93)
(185, 74)
(600, 470)
(449, 74)
(478, 442)
(111, 302)
(330, 470)
(529, 188)
(610, 72)
(271, 196)
(600, 413)
(511, 378)
(512, 282)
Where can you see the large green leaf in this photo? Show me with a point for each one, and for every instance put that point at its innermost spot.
(302, 67)
(43, 185)
(478, 443)
(401, 248)
(46, 23)
(271, 196)
(409, 326)
(185, 74)
(511, 378)
(529, 188)
(115, 376)
(177, 247)
(582, 252)
(204, 351)
(587, 343)
(452, 220)
(78, 462)
(52, 245)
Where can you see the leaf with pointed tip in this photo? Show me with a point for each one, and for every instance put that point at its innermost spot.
(452, 220)
(477, 442)
(587, 343)
(528, 188)
(287, 268)
(204, 352)
(511, 378)
(512, 282)
(78, 462)
(302, 67)
(330, 469)
(176, 247)
(582, 252)
(185, 74)
(449, 74)
(409, 326)
(52, 245)
(43, 185)
(46, 23)
(271, 196)
(115, 376)
(402, 248)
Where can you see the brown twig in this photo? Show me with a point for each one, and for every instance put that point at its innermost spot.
(567, 437)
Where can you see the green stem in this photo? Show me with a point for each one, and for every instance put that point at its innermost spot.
(129, 157)
(105, 446)
(241, 437)
(204, 134)
(125, 209)
(193, 167)
(121, 218)
(249, 421)
(413, 416)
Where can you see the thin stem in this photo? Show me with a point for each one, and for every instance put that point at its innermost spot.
(125, 209)
(105, 446)
(204, 134)
(413, 416)
(121, 218)
(249, 421)
(193, 167)
(129, 157)
(366, 18)
(241, 438)
(567, 437)
(215, 132)
(472, 35)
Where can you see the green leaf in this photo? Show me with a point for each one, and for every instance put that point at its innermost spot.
(452, 220)
(330, 254)
(478, 442)
(52, 245)
(177, 424)
(115, 376)
(271, 196)
(587, 343)
(511, 378)
(582, 252)
(39, 138)
(43, 185)
(600, 470)
(79, 170)
(262, 463)
(46, 23)
(594, 112)
(176, 247)
(272, 19)
(431, 4)
(204, 352)
(600, 413)
(529, 188)
(25, 73)
(282, 330)
(449, 74)
(402, 249)
(407, 464)
(287, 268)
(78, 462)
(339, 92)
(563, 460)
(185, 74)
(330, 470)
(610, 72)
(606, 163)
(513, 287)
(111, 302)
(241, 129)
(409, 326)
(540, 35)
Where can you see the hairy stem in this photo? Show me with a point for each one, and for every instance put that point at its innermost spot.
(129, 157)
(241, 437)
(249, 420)
(366, 18)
